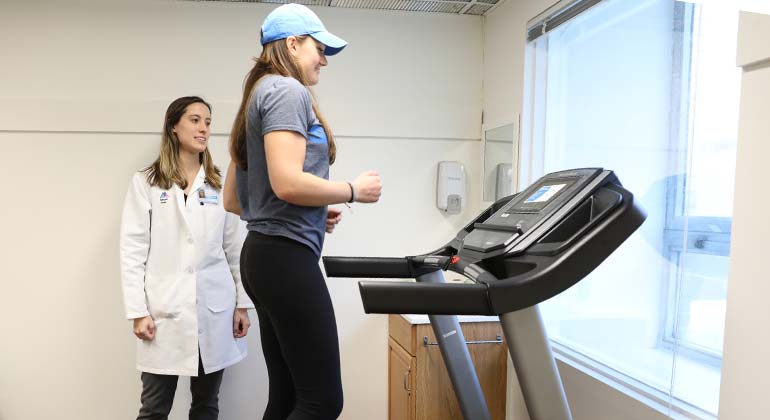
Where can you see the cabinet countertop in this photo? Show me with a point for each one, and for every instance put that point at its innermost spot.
(423, 319)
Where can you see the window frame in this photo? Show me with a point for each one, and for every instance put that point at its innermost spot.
(685, 234)
(703, 235)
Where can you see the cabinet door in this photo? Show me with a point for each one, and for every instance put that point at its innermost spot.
(400, 383)
(436, 399)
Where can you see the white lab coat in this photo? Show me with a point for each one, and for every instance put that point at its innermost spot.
(180, 263)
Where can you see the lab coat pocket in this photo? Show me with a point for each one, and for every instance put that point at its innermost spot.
(163, 295)
(220, 293)
(215, 218)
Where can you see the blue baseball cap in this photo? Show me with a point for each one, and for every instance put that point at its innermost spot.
(295, 19)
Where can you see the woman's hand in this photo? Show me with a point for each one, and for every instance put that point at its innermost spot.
(368, 187)
(144, 328)
(333, 216)
(241, 323)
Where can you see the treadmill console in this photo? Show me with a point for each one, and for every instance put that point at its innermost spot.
(520, 251)
(529, 210)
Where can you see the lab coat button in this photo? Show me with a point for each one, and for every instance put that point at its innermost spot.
(189, 239)
(200, 331)
(189, 270)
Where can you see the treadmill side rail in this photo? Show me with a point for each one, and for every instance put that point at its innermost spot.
(389, 297)
(368, 267)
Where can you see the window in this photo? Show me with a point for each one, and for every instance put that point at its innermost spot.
(649, 89)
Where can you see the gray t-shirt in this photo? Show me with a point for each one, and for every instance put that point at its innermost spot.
(282, 103)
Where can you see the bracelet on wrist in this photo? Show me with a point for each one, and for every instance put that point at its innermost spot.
(352, 193)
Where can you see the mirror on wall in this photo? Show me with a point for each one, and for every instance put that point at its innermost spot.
(500, 167)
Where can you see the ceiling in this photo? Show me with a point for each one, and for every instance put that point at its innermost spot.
(456, 7)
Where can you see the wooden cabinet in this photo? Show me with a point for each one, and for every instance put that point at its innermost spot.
(401, 364)
(419, 387)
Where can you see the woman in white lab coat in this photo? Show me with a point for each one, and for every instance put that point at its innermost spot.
(179, 254)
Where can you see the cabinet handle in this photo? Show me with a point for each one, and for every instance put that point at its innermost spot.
(497, 340)
(406, 381)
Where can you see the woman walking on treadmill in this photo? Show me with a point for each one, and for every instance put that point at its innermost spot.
(282, 148)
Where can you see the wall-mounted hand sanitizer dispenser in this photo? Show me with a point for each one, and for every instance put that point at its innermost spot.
(450, 187)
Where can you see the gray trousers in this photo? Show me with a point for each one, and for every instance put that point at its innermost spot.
(158, 395)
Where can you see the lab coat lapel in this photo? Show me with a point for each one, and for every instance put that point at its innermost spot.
(197, 184)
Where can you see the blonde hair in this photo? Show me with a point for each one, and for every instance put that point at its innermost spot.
(166, 171)
(275, 59)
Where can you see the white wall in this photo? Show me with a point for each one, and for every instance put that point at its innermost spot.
(83, 88)
(745, 372)
(504, 39)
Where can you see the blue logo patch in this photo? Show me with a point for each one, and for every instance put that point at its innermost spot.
(317, 134)
(163, 197)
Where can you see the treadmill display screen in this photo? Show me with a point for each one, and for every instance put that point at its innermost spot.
(544, 193)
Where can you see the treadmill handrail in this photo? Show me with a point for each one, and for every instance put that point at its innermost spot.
(368, 267)
(398, 297)
(404, 267)
(416, 298)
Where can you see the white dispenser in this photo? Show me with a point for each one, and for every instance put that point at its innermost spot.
(504, 180)
(450, 187)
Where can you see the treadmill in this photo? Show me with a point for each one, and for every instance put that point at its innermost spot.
(522, 250)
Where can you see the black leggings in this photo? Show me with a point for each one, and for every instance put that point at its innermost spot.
(297, 327)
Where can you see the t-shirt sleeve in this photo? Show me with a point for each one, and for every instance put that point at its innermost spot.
(285, 105)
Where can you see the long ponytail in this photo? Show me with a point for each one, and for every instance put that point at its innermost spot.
(275, 59)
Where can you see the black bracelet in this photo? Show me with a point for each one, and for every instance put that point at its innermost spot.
(352, 193)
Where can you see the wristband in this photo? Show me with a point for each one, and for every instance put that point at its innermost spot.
(352, 193)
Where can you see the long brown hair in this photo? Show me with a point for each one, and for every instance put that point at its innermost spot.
(165, 171)
(275, 59)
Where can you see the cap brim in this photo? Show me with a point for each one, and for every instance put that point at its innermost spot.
(334, 44)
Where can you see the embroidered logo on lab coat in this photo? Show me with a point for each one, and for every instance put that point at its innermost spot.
(163, 197)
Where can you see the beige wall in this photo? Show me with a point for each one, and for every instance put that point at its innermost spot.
(752, 39)
(83, 86)
(81, 65)
(745, 375)
(504, 40)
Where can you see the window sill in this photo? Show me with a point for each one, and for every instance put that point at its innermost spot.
(653, 396)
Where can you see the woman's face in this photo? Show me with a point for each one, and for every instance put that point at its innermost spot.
(192, 130)
(310, 57)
